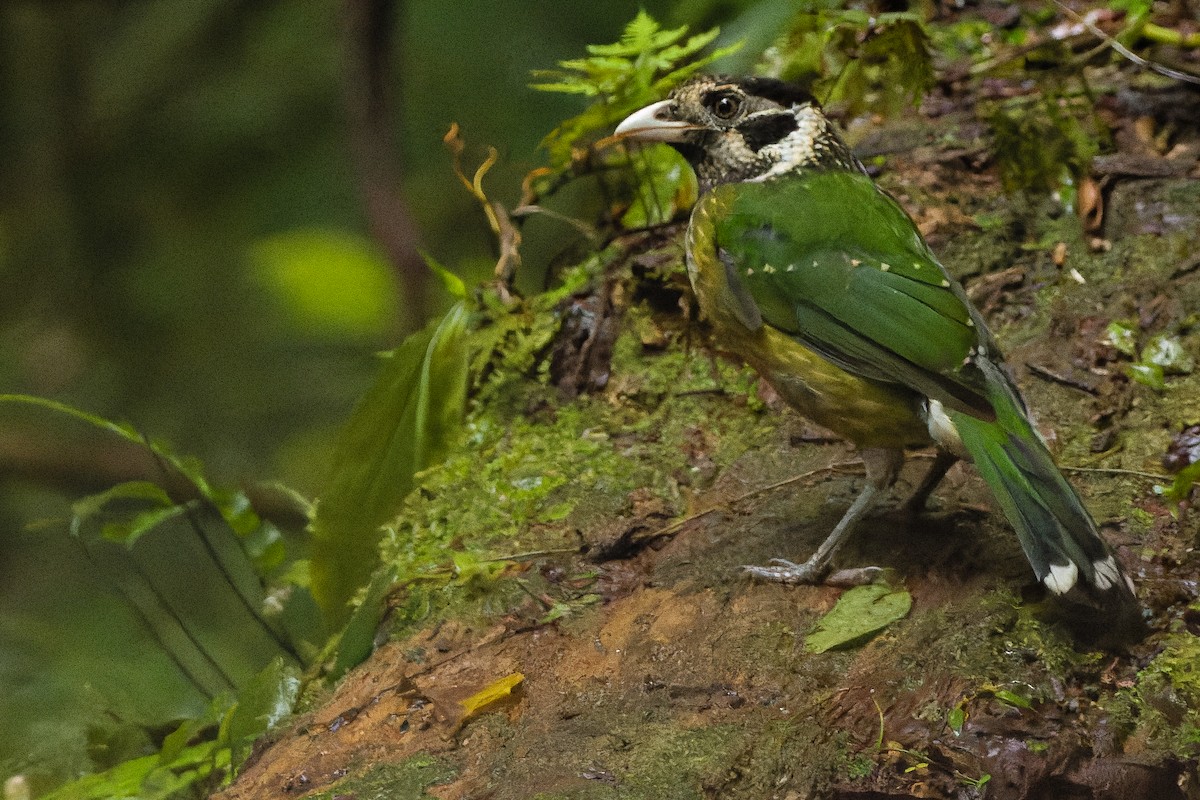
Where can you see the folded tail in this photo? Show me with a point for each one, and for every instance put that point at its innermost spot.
(1059, 536)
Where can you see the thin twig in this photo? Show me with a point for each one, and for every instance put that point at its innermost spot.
(1115, 471)
(1125, 51)
(678, 524)
(1062, 380)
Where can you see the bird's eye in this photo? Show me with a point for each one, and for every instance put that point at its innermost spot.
(725, 106)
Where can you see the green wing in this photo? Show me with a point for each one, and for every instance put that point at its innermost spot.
(836, 263)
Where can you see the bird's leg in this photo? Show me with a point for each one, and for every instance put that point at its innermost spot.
(915, 503)
(882, 467)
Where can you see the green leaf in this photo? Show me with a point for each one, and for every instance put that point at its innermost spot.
(470, 567)
(1168, 353)
(405, 422)
(453, 284)
(956, 719)
(358, 637)
(1122, 337)
(859, 614)
(665, 186)
(122, 430)
(176, 742)
(1012, 699)
(147, 778)
(1149, 374)
(83, 509)
(232, 505)
(262, 704)
(127, 532)
(641, 67)
(1181, 488)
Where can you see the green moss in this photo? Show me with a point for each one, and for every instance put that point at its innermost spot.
(1163, 707)
(534, 471)
(404, 780)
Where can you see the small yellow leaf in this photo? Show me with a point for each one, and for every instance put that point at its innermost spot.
(493, 693)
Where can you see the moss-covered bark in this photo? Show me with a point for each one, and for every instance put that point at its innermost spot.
(596, 542)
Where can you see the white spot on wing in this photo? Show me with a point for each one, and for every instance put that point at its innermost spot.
(1061, 578)
(1108, 574)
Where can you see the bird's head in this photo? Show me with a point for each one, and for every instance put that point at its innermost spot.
(741, 129)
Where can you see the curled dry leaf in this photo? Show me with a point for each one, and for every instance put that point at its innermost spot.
(1091, 205)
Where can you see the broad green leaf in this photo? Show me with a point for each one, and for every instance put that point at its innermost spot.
(1012, 698)
(1149, 374)
(956, 719)
(404, 423)
(859, 614)
(1168, 353)
(1123, 337)
(358, 638)
(147, 778)
(262, 704)
(177, 741)
(127, 532)
(83, 509)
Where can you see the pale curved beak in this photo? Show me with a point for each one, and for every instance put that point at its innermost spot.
(653, 124)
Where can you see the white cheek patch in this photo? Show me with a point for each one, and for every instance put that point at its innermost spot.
(1061, 578)
(795, 148)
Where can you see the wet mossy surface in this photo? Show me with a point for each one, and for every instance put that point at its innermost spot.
(593, 542)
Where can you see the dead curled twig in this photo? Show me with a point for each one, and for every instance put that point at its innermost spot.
(508, 238)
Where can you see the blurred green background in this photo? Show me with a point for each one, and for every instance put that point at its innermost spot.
(184, 245)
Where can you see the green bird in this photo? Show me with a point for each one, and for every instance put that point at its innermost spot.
(820, 281)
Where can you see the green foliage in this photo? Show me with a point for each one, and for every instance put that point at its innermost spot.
(1045, 147)
(879, 63)
(859, 614)
(261, 705)
(1185, 480)
(406, 422)
(644, 65)
(1163, 355)
(148, 777)
(1163, 702)
(191, 758)
(332, 282)
(125, 514)
(357, 639)
(666, 186)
